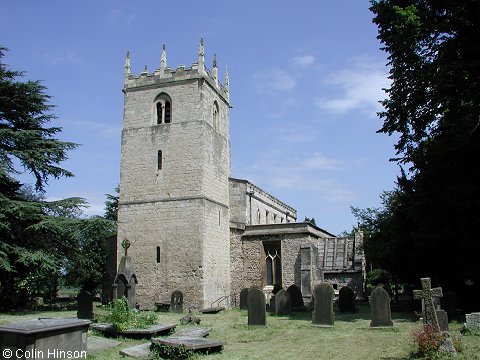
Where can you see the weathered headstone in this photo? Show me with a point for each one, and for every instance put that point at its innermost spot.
(283, 303)
(176, 302)
(126, 281)
(473, 321)
(442, 317)
(296, 297)
(430, 317)
(346, 299)
(256, 307)
(85, 305)
(323, 315)
(380, 308)
(243, 298)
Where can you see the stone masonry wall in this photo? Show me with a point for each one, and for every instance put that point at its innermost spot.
(181, 265)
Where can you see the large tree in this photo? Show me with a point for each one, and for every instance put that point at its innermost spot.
(433, 105)
(35, 235)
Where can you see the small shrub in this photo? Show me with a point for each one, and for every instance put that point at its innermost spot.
(429, 342)
(161, 351)
(123, 318)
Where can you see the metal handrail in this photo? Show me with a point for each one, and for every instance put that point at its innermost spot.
(225, 297)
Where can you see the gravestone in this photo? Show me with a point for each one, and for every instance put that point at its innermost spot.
(473, 321)
(380, 308)
(126, 281)
(283, 303)
(323, 315)
(346, 299)
(427, 293)
(176, 302)
(44, 339)
(256, 307)
(85, 305)
(431, 319)
(442, 317)
(296, 297)
(243, 298)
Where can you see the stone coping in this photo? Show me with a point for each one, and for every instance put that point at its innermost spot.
(190, 343)
(44, 325)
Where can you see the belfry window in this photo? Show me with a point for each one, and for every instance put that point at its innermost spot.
(163, 109)
(159, 160)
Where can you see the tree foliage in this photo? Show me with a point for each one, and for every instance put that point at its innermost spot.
(39, 239)
(111, 205)
(428, 223)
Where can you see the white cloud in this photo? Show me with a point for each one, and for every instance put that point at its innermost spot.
(359, 86)
(313, 174)
(296, 134)
(276, 80)
(321, 162)
(61, 57)
(102, 130)
(303, 61)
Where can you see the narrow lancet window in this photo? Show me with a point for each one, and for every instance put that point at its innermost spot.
(159, 160)
(215, 115)
(158, 254)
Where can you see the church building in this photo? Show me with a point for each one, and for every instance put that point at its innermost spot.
(194, 228)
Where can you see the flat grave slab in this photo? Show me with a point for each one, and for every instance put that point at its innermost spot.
(97, 344)
(212, 310)
(106, 329)
(147, 333)
(50, 338)
(141, 351)
(197, 332)
(190, 343)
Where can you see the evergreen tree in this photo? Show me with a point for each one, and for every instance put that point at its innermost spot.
(35, 235)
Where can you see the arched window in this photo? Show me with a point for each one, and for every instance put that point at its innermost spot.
(273, 263)
(159, 160)
(163, 109)
(215, 114)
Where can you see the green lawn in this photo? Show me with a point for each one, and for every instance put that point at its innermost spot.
(294, 337)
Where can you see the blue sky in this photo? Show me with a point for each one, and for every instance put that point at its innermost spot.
(305, 81)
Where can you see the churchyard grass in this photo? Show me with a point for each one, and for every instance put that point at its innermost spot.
(293, 337)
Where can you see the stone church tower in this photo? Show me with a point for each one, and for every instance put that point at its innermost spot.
(174, 182)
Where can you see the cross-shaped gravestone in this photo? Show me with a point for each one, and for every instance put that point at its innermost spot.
(126, 245)
(426, 294)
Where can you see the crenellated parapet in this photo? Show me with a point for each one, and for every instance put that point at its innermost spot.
(165, 74)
